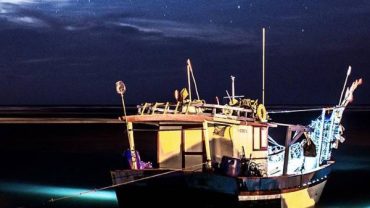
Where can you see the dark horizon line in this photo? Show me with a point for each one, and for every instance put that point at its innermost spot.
(112, 106)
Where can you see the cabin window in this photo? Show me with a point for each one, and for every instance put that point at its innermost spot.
(259, 138)
(256, 138)
(264, 138)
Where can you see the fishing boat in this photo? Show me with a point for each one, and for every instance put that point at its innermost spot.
(222, 155)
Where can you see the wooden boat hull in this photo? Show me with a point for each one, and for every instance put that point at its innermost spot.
(305, 197)
(211, 190)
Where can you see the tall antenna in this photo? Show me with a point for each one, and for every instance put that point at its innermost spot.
(263, 66)
(232, 87)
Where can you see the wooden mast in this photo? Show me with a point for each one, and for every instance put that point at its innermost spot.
(263, 66)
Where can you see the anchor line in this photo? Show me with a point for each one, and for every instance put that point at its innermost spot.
(52, 200)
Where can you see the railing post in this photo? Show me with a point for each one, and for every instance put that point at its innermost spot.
(177, 107)
(166, 108)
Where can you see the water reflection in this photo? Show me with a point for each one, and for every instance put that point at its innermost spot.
(45, 191)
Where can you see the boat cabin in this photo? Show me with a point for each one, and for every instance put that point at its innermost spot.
(190, 134)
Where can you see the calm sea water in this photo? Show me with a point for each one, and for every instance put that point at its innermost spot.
(41, 162)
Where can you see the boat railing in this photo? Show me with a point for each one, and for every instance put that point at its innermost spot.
(197, 108)
(285, 182)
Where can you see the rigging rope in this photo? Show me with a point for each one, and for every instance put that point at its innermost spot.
(271, 140)
(52, 200)
(301, 110)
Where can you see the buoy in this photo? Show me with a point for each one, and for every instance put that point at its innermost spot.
(261, 113)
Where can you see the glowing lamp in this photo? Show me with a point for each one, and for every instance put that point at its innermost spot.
(120, 87)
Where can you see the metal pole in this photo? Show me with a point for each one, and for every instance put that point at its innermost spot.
(232, 88)
(130, 136)
(121, 89)
(345, 82)
(192, 75)
(188, 71)
(263, 66)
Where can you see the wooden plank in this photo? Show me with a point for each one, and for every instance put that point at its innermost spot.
(287, 145)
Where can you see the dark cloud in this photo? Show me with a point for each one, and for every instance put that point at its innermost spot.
(72, 52)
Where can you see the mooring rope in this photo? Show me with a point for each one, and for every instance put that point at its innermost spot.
(52, 200)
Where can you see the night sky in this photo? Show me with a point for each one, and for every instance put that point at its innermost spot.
(71, 52)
